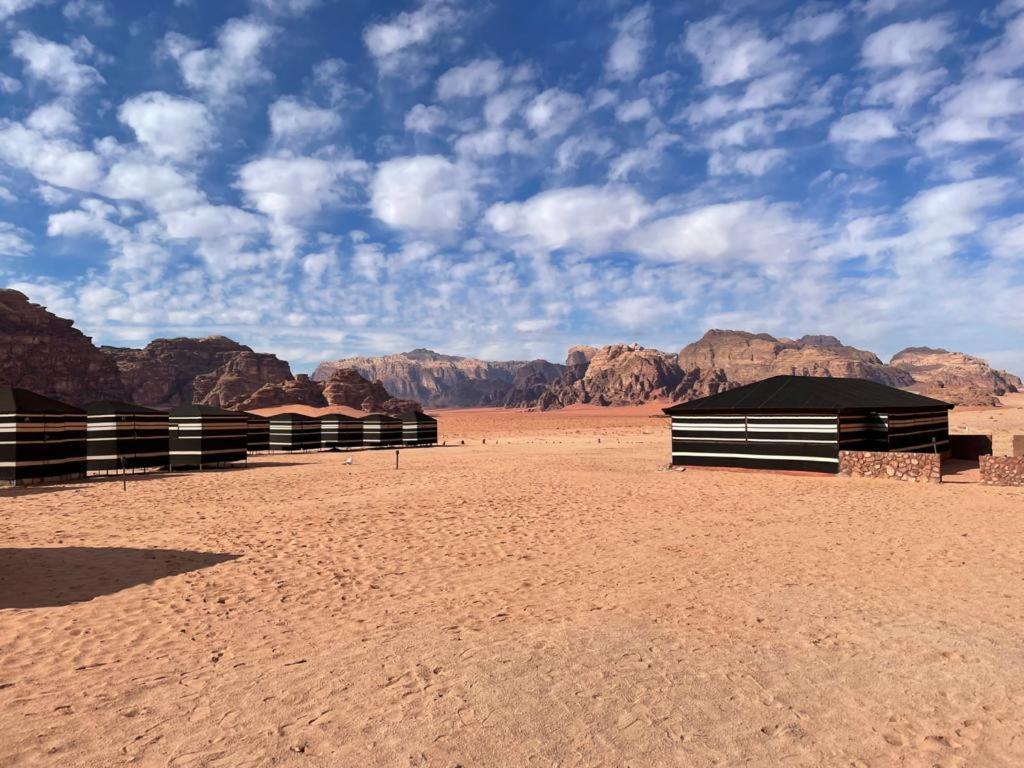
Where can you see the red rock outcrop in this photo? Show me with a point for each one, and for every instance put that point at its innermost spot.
(619, 374)
(954, 376)
(346, 387)
(748, 357)
(433, 379)
(48, 355)
(531, 381)
(300, 390)
(238, 379)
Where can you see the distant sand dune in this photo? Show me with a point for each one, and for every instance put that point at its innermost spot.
(542, 599)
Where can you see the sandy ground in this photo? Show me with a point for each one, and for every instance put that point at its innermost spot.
(543, 599)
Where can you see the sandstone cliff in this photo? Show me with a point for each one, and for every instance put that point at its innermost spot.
(530, 382)
(346, 387)
(300, 390)
(47, 354)
(619, 374)
(169, 372)
(436, 380)
(748, 357)
(954, 376)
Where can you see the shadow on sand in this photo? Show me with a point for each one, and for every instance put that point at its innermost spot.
(46, 577)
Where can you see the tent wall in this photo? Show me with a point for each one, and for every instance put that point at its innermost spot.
(419, 431)
(35, 447)
(867, 431)
(207, 439)
(340, 432)
(378, 431)
(126, 440)
(919, 431)
(787, 442)
(257, 434)
(291, 434)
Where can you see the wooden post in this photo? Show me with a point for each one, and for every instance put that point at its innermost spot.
(124, 474)
(396, 459)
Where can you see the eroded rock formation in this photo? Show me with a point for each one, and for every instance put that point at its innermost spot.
(954, 376)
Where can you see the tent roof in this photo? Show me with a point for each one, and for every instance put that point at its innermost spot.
(338, 417)
(809, 393)
(114, 406)
(195, 409)
(254, 416)
(292, 416)
(17, 400)
(419, 416)
(380, 417)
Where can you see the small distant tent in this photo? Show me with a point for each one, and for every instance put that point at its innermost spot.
(418, 429)
(294, 432)
(340, 431)
(41, 439)
(205, 436)
(380, 429)
(802, 422)
(257, 432)
(125, 436)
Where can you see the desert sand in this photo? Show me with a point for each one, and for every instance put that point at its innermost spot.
(543, 599)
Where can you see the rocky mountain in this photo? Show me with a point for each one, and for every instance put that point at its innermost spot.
(347, 387)
(213, 370)
(619, 374)
(531, 381)
(955, 376)
(47, 354)
(748, 357)
(436, 380)
(300, 390)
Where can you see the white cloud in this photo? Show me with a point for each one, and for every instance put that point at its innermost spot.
(754, 163)
(976, 110)
(290, 189)
(54, 64)
(478, 78)
(939, 215)
(1006, 237)
(293, 121)
(865, 126)
(587, 218)
(906, 44)
(93, 217)
(424, 192)
(170, 127)
(12, 240)
(51, 160)
(53, 120)
(492, 142)
(629, 111)
(814, 27)
(553, 111)
(627, 53)
(287, 7)
(232, 65)
(424, 119)
(211, 221)
(158, 186)
(389, 41)
(1006, 55)
(571, 152)
(9, 84)
(906, 88)
(644, 158)
(501, 106)
(752, 231)
(731, 53)
(92, 11)
(10, 7)
(768, 91)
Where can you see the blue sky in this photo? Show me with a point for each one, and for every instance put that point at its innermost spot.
(321, 178)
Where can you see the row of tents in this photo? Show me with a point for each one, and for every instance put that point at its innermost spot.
(42, 439)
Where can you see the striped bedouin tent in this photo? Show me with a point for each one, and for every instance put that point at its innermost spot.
(41, 439)
(257, 432)
(418, 429)
(123, 436)
(205, 436)
(379, 429)
(802, 422)
(294, 432)
(340, 431)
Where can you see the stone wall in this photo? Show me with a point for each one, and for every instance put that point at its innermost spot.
(909, 467)
(1018, 445)
(1002, 470)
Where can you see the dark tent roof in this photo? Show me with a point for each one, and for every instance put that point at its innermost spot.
(338, 417)
(418, 416)
(809, 393)
(253, 416)
(114, 406)
(17, 400)
(195, 409)
(382, 417)
(292, 416)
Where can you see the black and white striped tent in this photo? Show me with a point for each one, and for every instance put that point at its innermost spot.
(418, 429)
(294, 432)
(340, 431)
(380, 429)
(125, 436)
(40, 439)
(257, 432)
(205, 436)
(802, 422)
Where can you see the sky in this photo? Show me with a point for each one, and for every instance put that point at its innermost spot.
(504, 179)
